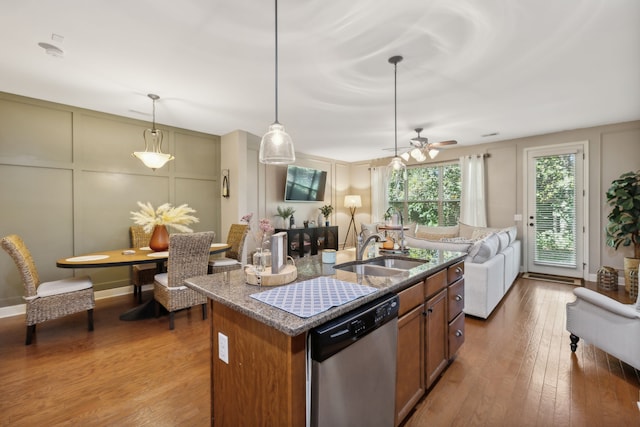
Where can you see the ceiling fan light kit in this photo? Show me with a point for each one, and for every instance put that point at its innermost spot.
(422, 145)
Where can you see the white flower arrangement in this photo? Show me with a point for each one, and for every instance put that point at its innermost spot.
(177, 217)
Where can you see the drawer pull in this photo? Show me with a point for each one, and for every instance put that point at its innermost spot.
(458, 297)
(458, 271)
(458, 333)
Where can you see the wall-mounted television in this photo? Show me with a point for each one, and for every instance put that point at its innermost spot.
(304, 184)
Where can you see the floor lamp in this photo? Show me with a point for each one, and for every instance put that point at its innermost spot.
(352, 202)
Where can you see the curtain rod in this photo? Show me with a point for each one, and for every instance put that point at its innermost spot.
(483, 155)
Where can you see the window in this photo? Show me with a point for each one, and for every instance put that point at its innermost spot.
(433, 194)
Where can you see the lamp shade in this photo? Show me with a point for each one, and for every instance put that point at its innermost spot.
(352, 201)
(152, 156)
(153, 160)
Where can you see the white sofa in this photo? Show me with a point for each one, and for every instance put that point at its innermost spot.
(491, 266)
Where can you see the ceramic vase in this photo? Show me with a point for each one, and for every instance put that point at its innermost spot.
(159, 239)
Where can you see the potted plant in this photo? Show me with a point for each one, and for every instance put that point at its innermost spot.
(624, 219)
(285, 213)
(326, 211)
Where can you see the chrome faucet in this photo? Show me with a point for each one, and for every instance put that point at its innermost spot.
(362, 247)
(402, 248)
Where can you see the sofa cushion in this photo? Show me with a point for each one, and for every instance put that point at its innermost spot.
(414, 242)
(467, 231)
(503, 239)
(512, 232)
(410, 229)
(436, 233)
(484, 249)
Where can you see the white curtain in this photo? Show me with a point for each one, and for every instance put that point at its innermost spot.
(473, 209)
(378, 193)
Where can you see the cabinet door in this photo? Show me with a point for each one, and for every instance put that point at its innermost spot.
(410, 364)
(299, 242)
(456, 335)
(456, 299)
(436, 336)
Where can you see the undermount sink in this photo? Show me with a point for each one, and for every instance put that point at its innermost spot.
(381, 266)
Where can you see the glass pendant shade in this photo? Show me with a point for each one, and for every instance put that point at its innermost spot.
(433, 153)
(152, 156)
(405, 156)
(396, 171)
(276, 146)
(417, 154)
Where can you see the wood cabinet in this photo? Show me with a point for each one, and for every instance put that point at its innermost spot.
(310, 240)
(430, 332)
(436, 336)
(455, 295)
(410, 384)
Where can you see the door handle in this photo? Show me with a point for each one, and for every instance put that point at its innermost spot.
(531, 224)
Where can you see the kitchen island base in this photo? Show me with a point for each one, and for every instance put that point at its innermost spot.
(264, 381)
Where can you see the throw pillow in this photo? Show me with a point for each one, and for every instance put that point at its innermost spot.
(368, 229)
(480, 233)
(484, 249)
(413, 242)
(435, 233)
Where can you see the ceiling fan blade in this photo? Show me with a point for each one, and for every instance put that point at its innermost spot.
(443, 143)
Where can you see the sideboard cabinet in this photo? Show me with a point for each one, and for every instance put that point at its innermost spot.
(310, 240)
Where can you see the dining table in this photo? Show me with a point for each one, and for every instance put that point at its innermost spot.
(129, 256)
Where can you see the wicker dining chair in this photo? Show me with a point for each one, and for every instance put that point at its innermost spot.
(141, 274)
(233, 259)
(188, 257)
(48, 300)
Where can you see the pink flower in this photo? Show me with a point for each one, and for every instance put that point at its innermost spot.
(260, 231)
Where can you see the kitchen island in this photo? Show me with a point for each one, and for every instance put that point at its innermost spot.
(259, 352)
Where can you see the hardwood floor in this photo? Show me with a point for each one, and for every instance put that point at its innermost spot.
(514, 369)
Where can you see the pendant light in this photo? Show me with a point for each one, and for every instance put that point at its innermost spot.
(396, 170)
(152, 156)
(276, 146)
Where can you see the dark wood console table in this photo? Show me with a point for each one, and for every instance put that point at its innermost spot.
(310, 240)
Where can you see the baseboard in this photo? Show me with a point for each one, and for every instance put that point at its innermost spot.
(555, 279)
(16, 310)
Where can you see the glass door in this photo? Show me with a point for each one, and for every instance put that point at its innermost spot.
(555, 211)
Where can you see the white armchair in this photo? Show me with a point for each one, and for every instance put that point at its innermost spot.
(606, 323)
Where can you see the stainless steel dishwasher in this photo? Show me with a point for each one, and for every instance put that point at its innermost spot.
(353, 367)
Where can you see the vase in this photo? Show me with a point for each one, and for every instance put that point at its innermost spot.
(159, 239)
(262, 256)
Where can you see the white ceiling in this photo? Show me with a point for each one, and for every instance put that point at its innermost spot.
(470, 67)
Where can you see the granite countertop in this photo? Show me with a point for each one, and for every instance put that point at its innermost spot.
(236, 293)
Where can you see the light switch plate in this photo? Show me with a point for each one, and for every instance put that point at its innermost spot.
(223, 347)
(517, 217)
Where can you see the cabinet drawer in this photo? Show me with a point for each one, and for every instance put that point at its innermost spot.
(456, 299)
(410, 298)
(435, 283)
(455, 272)
(456, 334)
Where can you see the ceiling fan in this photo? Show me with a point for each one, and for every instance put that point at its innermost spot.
(422, 147)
